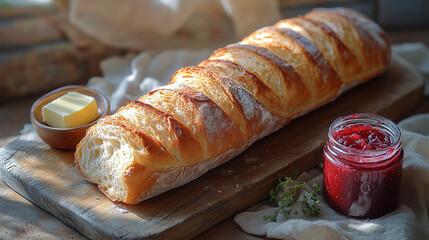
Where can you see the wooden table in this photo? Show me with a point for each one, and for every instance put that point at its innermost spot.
(21, 219)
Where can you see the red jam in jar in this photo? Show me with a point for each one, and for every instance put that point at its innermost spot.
(362, 165)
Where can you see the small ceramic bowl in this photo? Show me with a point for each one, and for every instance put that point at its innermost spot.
(65, 138)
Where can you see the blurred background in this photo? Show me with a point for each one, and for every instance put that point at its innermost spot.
(45, 44)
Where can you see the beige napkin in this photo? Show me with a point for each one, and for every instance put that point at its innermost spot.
(409, 221)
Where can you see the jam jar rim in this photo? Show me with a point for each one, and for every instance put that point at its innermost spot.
(377, 156)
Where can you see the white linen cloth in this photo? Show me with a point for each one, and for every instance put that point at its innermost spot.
(127, 78)
(409, 221)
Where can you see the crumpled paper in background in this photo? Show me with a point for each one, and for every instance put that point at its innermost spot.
(142, 24)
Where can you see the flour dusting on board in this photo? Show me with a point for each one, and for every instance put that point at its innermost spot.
(121, 210)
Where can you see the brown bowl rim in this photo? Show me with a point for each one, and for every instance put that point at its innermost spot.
(40, 124)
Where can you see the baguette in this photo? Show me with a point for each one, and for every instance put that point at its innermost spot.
(210, 113)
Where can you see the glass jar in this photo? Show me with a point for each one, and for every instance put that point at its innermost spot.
(362, 165)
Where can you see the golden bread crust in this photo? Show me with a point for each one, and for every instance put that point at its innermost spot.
(275, 73)
(328, 43)
(208, 114)
(266, 96)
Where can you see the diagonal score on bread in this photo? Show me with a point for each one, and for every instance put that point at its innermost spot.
(322, 81)
(275, 73)
(210, 113)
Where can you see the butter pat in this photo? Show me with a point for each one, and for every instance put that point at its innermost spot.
(70, 110)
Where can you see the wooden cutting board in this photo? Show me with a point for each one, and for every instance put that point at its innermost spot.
(48, 178)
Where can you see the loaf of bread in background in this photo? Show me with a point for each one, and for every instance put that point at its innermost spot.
(210, 113)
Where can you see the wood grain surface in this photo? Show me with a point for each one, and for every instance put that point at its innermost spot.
(48, 178)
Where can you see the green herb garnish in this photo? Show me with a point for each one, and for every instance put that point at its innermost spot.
(288, 191)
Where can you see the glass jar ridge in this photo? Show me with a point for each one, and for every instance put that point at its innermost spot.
(363, 183)
(369, 157)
